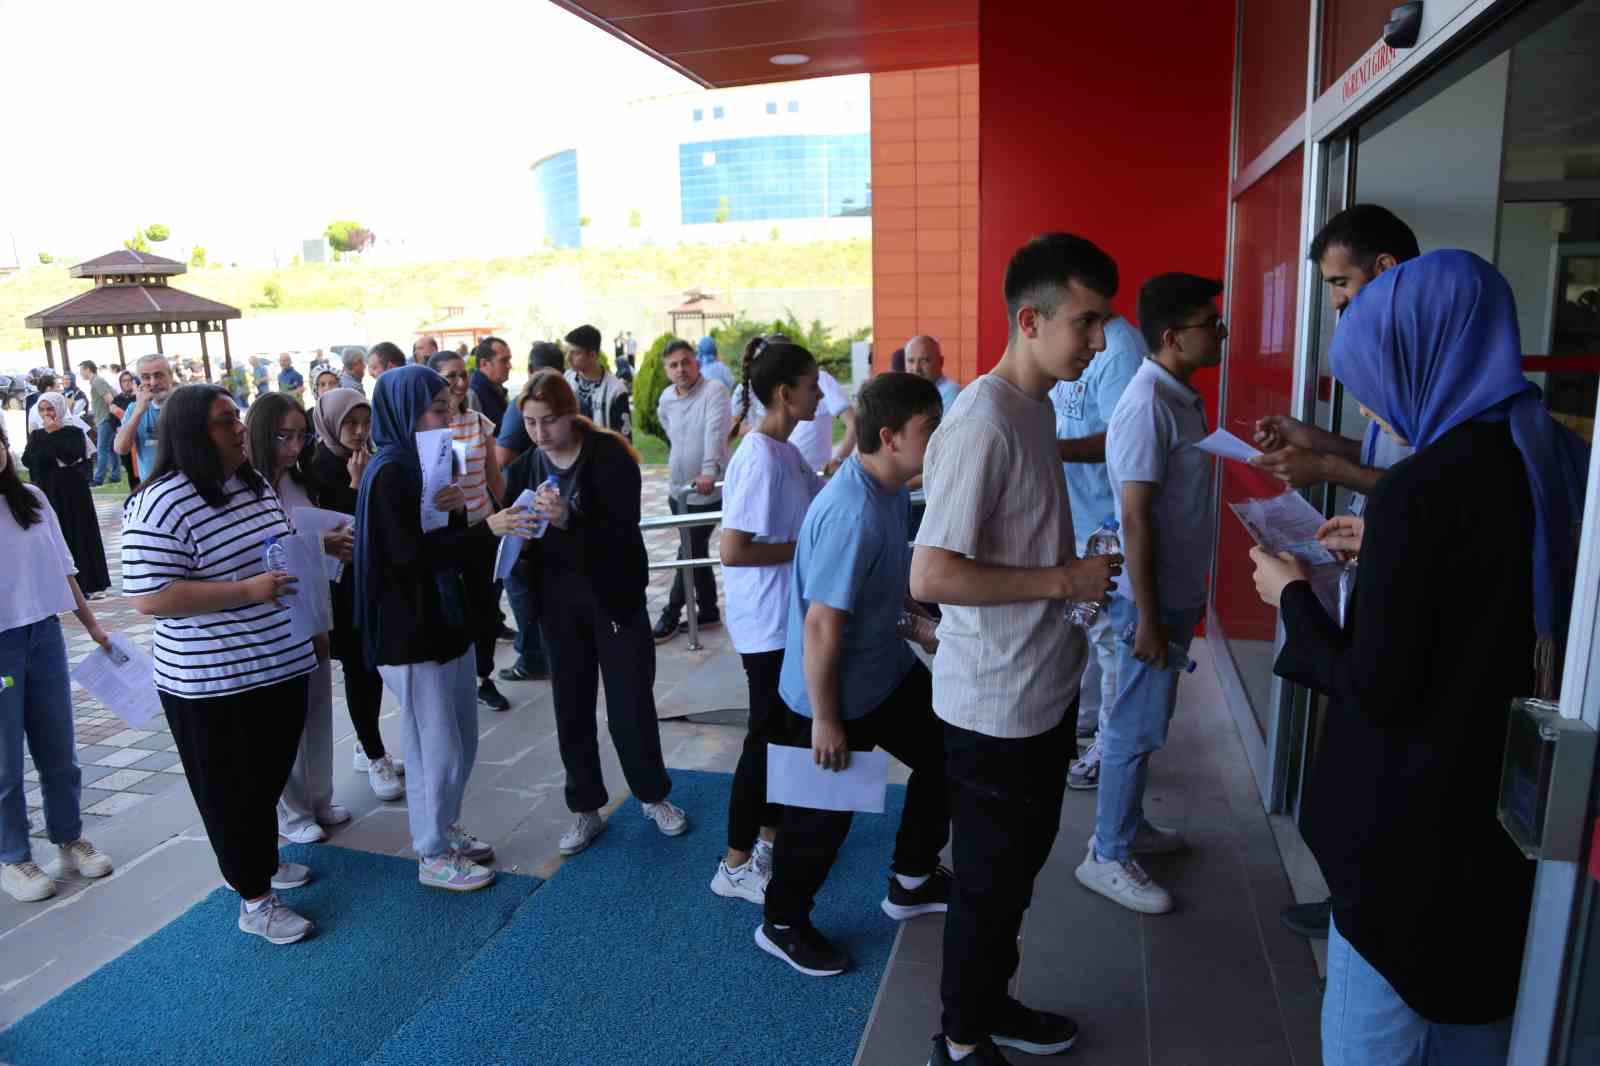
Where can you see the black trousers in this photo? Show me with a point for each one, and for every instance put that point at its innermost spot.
(237, 751)
(585, 646)
(483, 596)
(363, 696)
(1005, 810)
(903, 725)
(705, 578)
(748, 809)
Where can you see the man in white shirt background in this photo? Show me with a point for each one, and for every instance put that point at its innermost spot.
(694, 413)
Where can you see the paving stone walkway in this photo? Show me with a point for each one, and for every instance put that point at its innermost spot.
(123, 767)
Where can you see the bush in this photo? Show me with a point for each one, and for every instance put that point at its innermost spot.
(832, 354)
(272, 294)
(649, 382)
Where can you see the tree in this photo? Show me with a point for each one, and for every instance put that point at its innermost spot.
(724, 210)
(831, 353)
(137, 242)
(583, 220)
(635, 219)
(649, 382)
(346, 235)
(45, 258)
(197, 257)
(156, 233)
(272, 294)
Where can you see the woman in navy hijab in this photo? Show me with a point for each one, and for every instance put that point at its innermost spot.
(1461, 598)
(411, 612)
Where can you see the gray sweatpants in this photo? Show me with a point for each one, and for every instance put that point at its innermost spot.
(439, 735)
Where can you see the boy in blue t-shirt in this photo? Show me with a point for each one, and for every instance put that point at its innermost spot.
(850, 683)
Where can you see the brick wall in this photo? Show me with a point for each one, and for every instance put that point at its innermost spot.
(925, 213)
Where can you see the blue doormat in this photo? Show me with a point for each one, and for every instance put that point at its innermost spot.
(200, 992)
(626, 957)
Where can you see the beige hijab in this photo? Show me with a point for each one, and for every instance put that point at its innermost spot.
(329, 414)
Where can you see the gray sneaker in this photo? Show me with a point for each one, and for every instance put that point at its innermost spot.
(274, 922)
(1084, 774)
(290, 875)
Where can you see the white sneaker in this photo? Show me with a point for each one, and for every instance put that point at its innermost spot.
(745, 882)
(25, 882)
(1124, 882)
(453, 872)
(585, 828)
(359, 762)
(82, 857)
(290, 875)
(1152, 839)
(334, 815)
(471, 848)
(306, 834)
(385, 780)
(668, 817)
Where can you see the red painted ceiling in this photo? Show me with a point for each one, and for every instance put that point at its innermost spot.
(720, 42)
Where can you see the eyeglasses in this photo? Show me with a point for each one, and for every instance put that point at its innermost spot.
(1216, 325)
(292, 436)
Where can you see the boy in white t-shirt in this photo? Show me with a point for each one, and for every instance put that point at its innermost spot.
(768, 487)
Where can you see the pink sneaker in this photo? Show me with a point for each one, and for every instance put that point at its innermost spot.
(453, 872)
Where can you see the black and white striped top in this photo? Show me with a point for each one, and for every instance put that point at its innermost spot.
(169, 533)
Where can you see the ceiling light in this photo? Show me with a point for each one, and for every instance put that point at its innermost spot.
(789, 59)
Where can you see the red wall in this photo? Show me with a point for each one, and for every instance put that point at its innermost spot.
(1110, 121)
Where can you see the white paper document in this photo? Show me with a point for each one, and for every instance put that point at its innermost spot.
(510, 550)
(311, 604)
(1225, 444)
(438, 460)
(795, 780)
(319, 521)
(124, 682)
(1287, 523)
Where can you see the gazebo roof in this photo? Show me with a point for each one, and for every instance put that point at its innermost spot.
(697, 302)
(128, 304)
(125, 262)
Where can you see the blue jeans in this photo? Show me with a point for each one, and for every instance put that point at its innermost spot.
(1365, 1021)
(107, 467)
(525, 608)
(37, 704)
(1135, 726)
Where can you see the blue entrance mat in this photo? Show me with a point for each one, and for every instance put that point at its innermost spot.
(624, 957)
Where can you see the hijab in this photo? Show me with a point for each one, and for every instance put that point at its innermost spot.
(399, 399)
(62, 409)
(329, 413)
(1433, 343)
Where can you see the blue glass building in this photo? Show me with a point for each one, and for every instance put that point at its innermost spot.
(557, 179)
(758, 178)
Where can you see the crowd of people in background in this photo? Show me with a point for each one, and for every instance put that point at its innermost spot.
(832, 585)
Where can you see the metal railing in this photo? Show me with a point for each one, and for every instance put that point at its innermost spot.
(683, 523)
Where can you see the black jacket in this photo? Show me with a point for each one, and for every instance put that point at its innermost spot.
(602, 536)
(1439, 638)
(491, 398)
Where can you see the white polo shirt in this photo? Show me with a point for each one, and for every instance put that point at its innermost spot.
(1152, 437)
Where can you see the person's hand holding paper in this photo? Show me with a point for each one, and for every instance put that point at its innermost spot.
(1342, 536)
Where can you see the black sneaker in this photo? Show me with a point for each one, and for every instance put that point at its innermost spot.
(491, 698)
(1310, 920)
(802, 947)
(985, 1054)
(506, 633)
(1036, 1032)
(930, 897)
(708, 619)
(517, 673)
(666, 628)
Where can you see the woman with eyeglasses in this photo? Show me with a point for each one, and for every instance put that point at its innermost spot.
(57, 459)
(342, 419)
(231, 677)
(483, 484)
(36, 703)
(276, 433)
(121, 404)
(587, 572)
(412, 614)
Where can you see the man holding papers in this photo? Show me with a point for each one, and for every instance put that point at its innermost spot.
(1163, 493)
(850, 683)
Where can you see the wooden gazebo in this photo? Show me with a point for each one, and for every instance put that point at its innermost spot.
(131, 298)
(699, 307)
(456, 325)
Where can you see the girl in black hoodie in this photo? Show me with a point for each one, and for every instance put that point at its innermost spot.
(588, 573)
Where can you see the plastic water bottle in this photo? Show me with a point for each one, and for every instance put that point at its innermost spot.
(1103, 541)
(1178, 660)
(273, 556)
(540, 523)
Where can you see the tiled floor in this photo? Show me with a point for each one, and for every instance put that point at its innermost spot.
(123, 767)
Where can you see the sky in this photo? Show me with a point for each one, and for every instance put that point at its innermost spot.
(246, 128)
